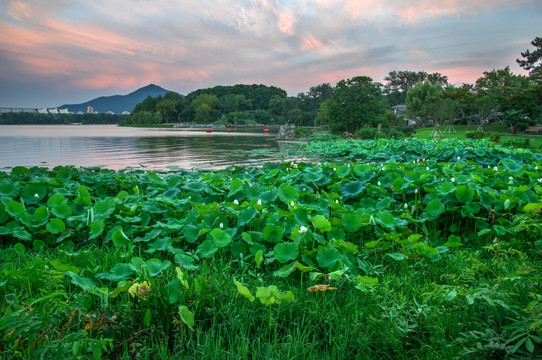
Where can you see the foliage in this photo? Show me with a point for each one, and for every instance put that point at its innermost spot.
(442, 239)
(532, 61)
(355, 103)
(422, 99)
(399, 82)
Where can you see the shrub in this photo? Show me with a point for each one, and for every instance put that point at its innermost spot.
(302, 131)
(476, 135)
(395, 134)
(367, 133)
(516, 142)
(495, 137)
(407, 130)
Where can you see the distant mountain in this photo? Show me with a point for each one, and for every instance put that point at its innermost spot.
(118, 103)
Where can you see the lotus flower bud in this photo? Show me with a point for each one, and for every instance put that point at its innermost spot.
(303, 230)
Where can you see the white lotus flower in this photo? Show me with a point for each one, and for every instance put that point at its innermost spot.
(337, 201)
(427, 168)
(334, 169)
(292, 203)
(221, 226)
(540, 180)
(496, 168)
(416, 191)
(459, 158)
(260, 202)
(379, 183)
(536, 167)
(236, 202)
(453, 179)
(303, 229)
(510, 178)
(36, 195)
(406, 206)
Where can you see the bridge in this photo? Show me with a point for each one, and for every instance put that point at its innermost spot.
(33, 110)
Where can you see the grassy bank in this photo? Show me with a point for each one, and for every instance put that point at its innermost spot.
(460, 131)
(397, 249)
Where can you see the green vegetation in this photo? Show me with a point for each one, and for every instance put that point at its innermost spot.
(238, 104)
(398, 249)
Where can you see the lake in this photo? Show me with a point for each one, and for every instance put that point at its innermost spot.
(121, 147)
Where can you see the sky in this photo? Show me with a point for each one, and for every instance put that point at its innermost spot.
(70, 51)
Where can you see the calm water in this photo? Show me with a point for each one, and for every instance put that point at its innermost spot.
(117, 147)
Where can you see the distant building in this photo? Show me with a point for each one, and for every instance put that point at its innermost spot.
(42, 111)
(90, 110)
(125, 112)
(53, 111)
(399, 109)
(63, 111)
(110, 112)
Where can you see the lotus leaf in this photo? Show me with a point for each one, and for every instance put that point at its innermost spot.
(285, 252)
(273, 233)
(321, 223)
(328, 258)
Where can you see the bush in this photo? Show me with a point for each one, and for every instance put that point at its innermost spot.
(302, 132)
(476, 135)
(494, 137)
(395, 134)
(407, 130)
(517, 142)
(367, 133)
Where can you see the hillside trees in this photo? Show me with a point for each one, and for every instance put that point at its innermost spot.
(355, 103)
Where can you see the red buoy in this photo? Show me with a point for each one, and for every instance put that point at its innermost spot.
(265, 130)
(313, 130)
(228, 130)
(209, 130)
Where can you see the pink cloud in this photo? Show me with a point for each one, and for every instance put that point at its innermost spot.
(417, 53)
(311, 43)
(413, 11)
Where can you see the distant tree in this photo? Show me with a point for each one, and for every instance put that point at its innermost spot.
(420, 100)
(463, 97)
(355, 103)
(510, 91)
(168, 110)
(234, 103)
(205, 108)
(399, 82)
(322, 118)
(148, 104)
(532, 61)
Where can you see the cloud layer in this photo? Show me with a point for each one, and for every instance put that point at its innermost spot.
(63, 51)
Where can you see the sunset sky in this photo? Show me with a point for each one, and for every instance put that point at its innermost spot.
(69, 51)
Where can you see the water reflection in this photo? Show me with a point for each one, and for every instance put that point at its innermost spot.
(116, 148)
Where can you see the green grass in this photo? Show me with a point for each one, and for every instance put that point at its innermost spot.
(419, 310)
(458, 132)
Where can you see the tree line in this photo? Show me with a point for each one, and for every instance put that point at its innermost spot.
(361, 102)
